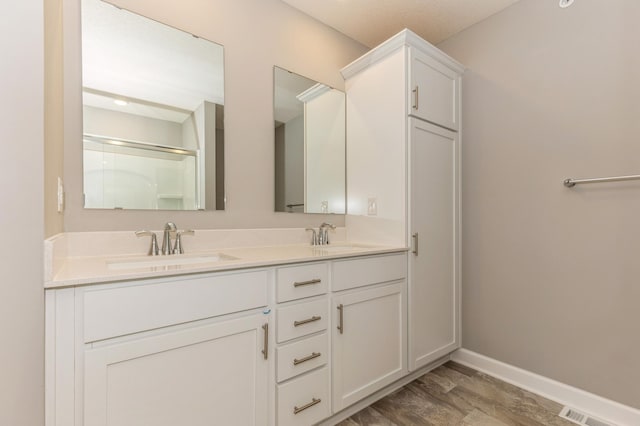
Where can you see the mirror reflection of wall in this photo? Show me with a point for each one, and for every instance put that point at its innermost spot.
(153, 114)
(309, 145)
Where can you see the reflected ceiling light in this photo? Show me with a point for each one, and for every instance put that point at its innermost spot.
(565, 3)
(120, 102)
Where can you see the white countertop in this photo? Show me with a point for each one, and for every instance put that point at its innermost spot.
(82, 270)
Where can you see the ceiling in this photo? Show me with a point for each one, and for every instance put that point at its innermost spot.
(158, 69)
(372, 21)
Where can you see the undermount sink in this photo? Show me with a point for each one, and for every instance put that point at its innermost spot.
(339, 248)
(167, 261)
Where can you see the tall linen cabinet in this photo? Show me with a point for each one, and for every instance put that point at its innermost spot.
(403, 178)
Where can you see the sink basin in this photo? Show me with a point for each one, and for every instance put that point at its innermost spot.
(339, 248)
(167, 261)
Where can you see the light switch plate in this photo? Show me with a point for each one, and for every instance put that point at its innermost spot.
(372, 207)
(60, 195)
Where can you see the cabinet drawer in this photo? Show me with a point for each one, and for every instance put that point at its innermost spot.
(305, 400)
(111, 312)
(300, 357)
(301, 319)
(296, 282)
(369, 270)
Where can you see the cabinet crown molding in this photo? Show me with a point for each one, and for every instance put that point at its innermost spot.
(404, 38)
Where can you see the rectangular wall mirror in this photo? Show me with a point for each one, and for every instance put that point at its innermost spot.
(153, 114)
(309, 145)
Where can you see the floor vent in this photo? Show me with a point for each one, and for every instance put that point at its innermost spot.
(581, 418)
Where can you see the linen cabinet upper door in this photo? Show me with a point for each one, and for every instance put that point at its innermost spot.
(434, 91)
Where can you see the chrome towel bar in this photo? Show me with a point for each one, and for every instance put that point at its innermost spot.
(570, 183)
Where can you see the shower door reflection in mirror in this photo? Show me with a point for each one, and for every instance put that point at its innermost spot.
(153, 115)
(309, 145)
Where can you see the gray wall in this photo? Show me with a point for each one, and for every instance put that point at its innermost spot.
(294, 162)
(53, 120)
(551, 276)
(21, 215)
(256, 34)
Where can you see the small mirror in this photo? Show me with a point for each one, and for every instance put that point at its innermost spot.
(309, 145)
(153, 114)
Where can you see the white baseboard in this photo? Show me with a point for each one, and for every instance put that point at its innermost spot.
(605, 409)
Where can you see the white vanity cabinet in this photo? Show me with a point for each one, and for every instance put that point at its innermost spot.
(256, 346)
(180, 350)
(369, 335)
(403, 154)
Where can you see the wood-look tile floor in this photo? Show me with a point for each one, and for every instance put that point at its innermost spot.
(453, 394)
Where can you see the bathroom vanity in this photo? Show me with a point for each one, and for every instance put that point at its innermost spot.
(249, 336)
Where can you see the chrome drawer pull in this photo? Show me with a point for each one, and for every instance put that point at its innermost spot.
(308, 320)
(341, 318)
(313, 355)
(416, 91)
(303, 283)
(313, 402)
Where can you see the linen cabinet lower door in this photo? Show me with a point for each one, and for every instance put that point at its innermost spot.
(213, 374)
(368, 343)
(434, 282)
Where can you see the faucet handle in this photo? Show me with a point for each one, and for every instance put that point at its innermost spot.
(177, 248)
(153, 248)
(314, 236)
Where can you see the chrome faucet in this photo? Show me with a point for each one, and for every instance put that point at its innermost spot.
(323, 233)
(169, 228)
(167, 247)
(321, 237)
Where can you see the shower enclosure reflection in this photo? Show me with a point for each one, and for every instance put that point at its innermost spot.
(153, 96)
(135, 175)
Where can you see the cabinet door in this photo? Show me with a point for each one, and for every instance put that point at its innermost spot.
(214, 374)
(368, 342)
(434, 90)
(434, 223)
